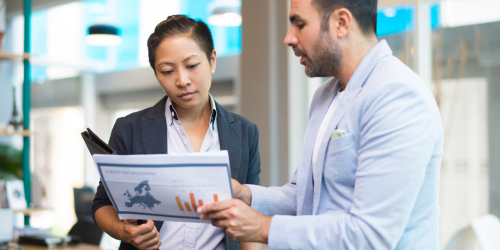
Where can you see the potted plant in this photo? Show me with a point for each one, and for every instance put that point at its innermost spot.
(10, 162)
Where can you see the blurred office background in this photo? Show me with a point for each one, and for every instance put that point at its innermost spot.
(454, 45)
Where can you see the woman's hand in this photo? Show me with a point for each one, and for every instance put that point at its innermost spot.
(143, 237)
(241, 192)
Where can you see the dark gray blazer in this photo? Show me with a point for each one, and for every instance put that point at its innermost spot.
(145, 132)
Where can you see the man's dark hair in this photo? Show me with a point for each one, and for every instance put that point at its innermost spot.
(180, 25)
(364, 11)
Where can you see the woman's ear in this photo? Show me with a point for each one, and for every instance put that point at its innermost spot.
(213, 61)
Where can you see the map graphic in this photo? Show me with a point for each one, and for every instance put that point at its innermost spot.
(142, 197)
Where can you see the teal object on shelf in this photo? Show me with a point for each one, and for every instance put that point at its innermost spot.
(27, 107)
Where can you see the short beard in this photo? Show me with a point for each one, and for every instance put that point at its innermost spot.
(325, 59)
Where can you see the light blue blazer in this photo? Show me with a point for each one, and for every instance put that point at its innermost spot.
(378, 185)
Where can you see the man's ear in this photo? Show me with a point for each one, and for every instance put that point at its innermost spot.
(342, 22)
(213, 61)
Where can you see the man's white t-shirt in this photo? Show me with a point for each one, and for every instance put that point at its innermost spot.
(324, 127)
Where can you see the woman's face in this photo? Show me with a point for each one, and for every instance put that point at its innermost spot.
(184, 71)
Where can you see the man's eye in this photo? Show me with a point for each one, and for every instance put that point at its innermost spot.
(193, 66)
(168, 72)
(300, 26)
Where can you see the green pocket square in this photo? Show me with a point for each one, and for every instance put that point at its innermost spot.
(337, 133)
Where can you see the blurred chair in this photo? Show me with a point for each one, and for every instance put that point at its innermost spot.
(482, 233)
(88, 231)
(83, 203)
(85, 227)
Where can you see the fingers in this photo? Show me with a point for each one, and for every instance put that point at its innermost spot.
(216, 206)
(232, 211)
(155, 246)
(142, 236)
(240, 220)
(145, 228)
(232, 233)
(234, 229)
(150, 241)
(145, 239)
(146, 236)
(222, 215)
(221, 223)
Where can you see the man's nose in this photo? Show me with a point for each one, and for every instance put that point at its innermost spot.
(290, 38)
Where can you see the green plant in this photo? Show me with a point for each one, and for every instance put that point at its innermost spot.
(11, 161)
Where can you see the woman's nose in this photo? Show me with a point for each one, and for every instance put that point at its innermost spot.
(183, 79)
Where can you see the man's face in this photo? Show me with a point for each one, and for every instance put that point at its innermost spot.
(319, 53)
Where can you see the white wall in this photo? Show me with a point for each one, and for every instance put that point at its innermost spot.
(464, 171)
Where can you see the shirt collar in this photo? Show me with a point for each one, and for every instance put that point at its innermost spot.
(171, 113)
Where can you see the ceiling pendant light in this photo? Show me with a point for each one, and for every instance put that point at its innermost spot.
(225, 13)
(103, 35)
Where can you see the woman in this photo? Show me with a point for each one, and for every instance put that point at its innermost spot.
(186, 120)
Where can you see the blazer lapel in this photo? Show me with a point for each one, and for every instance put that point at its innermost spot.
(230, 138)
(154, 129)
(337, 116)
(304, 171)
(154, 134)
(353, 88)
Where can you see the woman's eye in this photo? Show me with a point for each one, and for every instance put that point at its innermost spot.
(168, 72)
(193, 66)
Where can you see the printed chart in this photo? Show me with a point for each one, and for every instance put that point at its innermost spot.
(165, 191)
(193, 202)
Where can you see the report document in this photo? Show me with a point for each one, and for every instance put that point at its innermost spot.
(166, 187)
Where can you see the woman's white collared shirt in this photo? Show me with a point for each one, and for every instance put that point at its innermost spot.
(181, 235)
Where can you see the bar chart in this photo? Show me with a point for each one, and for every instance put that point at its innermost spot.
(170, 192)
(193, 202)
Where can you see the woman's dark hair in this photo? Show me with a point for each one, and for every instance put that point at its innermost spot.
(180, 25)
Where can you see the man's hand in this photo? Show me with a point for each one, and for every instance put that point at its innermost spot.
(241, 192)
(143, 237)
(240, 220)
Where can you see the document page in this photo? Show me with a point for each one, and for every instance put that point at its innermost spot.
(165, 187)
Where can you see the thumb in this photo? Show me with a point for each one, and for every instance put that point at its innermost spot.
(236, 186)
(130, 221)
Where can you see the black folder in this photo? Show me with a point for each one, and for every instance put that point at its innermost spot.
(98, 146)
(95, 144)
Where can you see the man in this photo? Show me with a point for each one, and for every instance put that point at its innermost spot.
(368, 175)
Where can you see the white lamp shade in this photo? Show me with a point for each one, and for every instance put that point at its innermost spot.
(225, 13)
(103, 35)
(226, 19)
(103, 40)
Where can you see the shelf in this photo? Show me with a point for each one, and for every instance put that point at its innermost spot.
(10, 56)
(28, 211)
(23, 133)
